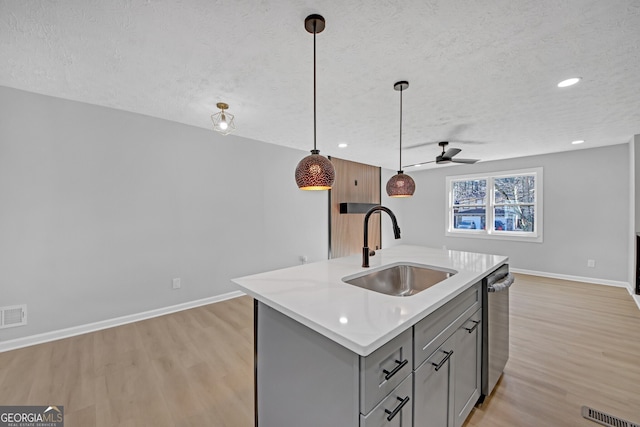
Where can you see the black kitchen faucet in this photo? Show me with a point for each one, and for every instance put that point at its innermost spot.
(396, 231)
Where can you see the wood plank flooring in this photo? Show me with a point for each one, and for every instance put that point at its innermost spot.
(192, 368)
(572, 344)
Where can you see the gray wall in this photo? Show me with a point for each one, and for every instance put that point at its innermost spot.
(586, 213)
(635, 152)
(634, 211)
(101, 208)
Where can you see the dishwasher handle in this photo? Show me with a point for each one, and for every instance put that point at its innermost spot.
(501, 285)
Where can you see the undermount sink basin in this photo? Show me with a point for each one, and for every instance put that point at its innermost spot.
(400, 280)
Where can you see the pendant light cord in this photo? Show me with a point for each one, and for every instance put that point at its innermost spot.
(314, 86)
(400, 167)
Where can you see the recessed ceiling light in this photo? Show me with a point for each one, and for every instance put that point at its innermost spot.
(343, 145)
(569, 82)
(577, 141)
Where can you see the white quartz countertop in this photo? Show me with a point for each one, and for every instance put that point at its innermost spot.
(360, 319)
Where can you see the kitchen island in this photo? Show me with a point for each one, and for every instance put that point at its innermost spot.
(330, 353)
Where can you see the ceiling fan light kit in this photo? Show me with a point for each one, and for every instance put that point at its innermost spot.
(401, 185)
(315, 172)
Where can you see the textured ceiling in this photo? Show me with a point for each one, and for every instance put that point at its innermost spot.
(482, 74)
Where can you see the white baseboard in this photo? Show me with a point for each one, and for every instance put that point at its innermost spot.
(616, 283)
(110, 323)
(573, 278)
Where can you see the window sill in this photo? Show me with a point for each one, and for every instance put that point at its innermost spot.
(496, 235)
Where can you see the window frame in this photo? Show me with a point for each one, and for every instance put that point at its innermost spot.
(490, 233)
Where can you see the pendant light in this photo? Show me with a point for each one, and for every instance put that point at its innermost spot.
(315, 172)
(401, 185)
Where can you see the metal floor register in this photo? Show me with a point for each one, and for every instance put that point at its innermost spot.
(605, 419)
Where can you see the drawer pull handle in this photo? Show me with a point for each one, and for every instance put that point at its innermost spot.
(473, 328)
(397, 408)
(389, 374)
(443, 361)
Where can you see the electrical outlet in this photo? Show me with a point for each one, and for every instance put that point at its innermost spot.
(591, 263)
(177, 283)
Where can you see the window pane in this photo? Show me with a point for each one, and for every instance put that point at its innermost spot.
(473, 218)
(471, 192)
(514, 218)
(515, 189)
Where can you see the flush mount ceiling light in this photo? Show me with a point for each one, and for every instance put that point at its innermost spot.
(315, 172)
(569, 82)
(223, 121)
(577, 141)
(401, 185)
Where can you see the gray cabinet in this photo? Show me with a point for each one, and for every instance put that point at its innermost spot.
(303, 378)
(468, 365)
(448, 382)
(394, 410)
(432, 391)
(384, 369)
(437, 327)
(428, 376)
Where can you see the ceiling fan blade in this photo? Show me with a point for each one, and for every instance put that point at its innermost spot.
(451, 152)
(467, 161)
(418, 164)
(419, 145)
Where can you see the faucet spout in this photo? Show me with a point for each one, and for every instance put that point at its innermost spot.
(396, 231)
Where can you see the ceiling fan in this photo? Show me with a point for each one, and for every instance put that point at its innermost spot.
(446, 156)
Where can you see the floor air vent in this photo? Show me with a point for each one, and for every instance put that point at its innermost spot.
(605, 419)
(15, 315)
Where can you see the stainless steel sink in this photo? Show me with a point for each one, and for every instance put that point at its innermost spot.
(400, 280)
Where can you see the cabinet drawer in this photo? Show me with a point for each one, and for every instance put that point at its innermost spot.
(395, 410)
(434, 329)
(384, 369)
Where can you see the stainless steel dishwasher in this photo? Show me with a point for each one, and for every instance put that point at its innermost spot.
(495, 327)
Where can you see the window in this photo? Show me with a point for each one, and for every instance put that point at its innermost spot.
(504, 205)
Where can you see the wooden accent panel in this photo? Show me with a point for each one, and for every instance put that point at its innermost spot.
(357, 183)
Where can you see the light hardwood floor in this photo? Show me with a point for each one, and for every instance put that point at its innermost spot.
(572, 344)
(192, 368)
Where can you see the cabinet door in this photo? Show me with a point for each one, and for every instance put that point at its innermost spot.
(467, 378)
(433, 389)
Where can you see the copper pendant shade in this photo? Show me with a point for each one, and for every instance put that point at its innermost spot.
(315, 172)
(401, 185)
